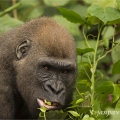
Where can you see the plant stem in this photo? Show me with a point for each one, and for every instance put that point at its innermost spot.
(86, 40)
(93, 68)
(15, 10)
(44, 116)
(97, 43)
(84, 68)
(10, 9)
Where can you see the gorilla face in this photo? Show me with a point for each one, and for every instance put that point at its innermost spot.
(46, 69)
(55, 78)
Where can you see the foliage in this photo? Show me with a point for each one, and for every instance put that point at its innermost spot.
(102, 92)
(95, 27)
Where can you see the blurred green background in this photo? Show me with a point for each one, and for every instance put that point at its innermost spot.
(16, 12)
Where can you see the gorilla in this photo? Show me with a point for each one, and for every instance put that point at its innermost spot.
(37, 63)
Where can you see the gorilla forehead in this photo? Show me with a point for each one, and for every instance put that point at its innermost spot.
(50, 37)
(57, 44)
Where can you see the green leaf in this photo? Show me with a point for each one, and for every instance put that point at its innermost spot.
(56, 2)
(99, 82)
(107, 34)
(106, 87)
(118, 3)
(71, 27)
(105, 101)
(114, 98)
(88, 1)
(48, 103)
(80, 9)
(116, 93)
(43, 109)
(105, 14)
(105, 3)
(54, 115)
(7, 23)
(84, 73)
(116, 89)
(10, 8)
(116, 52)
(84, 51)
(75, 114)
(87, 117)
(92, 19)
(30, 10)
(79, 101)
(83, 82)
(116, 67)
(117, 107)
(73, 106)
(71, 16)
(114, 22)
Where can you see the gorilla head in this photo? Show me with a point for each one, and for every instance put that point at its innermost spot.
(41, 57)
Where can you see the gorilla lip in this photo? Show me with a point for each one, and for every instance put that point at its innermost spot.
(54, 105)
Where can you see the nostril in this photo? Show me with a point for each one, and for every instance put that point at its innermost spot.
(51, 89)
(60, 91)
(54, 87)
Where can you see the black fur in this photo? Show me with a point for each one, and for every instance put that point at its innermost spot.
(37, 60)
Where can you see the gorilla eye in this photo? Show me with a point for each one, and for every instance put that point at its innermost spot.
(46, 67)
(65, 71)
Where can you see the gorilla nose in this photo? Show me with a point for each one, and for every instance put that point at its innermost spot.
(54, 87)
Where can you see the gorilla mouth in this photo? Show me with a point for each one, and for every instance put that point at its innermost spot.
(54, 105)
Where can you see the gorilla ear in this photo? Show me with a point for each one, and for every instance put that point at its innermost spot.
(22, 49)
